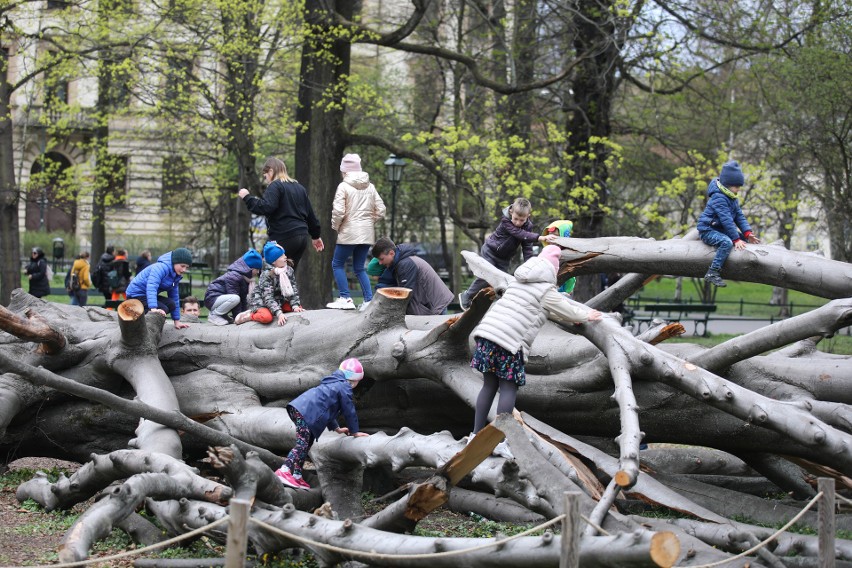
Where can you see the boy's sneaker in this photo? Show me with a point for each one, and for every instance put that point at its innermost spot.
(462, 304)
(502, 450)
(714, 278)
(287, 478)
(216, 319)
(302, 483)
(363, 307)
(341, 304)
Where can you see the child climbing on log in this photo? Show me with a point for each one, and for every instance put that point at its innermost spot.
(722, 220)
(505, 334)
(276, 291)
(230, 292)
(317, 409)
(162, 276)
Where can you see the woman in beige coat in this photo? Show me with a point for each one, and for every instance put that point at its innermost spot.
(357, 206)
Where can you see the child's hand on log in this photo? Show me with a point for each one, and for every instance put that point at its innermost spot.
(282, 319)
(343, 430)
(360, 435)
(179, 324)
(595, 315)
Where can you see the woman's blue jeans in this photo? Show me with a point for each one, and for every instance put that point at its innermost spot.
(723, 244)
(338, 266)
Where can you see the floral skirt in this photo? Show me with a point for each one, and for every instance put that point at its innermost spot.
(488, 357)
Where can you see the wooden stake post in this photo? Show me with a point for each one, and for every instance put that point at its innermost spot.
(235, 553)
(569, 556)
(826, 523)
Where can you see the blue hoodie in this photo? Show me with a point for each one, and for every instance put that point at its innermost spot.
(321, 405)
(158, 277)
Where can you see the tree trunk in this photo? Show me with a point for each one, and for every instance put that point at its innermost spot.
(10, 240)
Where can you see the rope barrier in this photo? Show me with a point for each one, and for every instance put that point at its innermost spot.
(376, 555)
(142, 550)
(763, 543)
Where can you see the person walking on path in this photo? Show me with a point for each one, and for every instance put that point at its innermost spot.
(356, 208)
(36, 272)
(290, 217)
(722, 220)
(80, 272)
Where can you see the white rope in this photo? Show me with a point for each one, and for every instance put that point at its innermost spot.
(143, 550)
(763, 543)
(376, 555)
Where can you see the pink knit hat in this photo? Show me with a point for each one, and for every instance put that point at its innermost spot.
(551, 253)
(350, 163)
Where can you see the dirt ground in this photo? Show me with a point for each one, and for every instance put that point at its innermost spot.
(29, 538)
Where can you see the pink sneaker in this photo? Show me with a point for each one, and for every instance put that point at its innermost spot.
(287, 478)
(302, 483)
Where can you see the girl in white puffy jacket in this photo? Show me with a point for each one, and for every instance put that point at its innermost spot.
(356, 208)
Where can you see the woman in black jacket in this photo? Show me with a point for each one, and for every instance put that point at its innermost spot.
(290, 217)
(37, 274)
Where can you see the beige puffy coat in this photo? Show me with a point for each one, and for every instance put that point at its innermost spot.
(356, 208)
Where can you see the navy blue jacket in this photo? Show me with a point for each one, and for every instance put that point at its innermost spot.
(232, 282)
(506, 238)
(723, 214)
(322, 404)
(159, 277)
(287, 209)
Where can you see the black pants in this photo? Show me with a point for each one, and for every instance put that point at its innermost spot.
(163, 302)
(294, 246)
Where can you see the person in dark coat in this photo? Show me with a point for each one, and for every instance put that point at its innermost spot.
(162, 276)
(290, 217)
(722, 220)
(316, 410)
(143, 261)
(99, 275)
(429, 294)
(37, 274)
(229, 292)
(514, 230)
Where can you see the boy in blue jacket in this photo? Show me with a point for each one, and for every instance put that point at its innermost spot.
(317, 409)
(162, 276)
(722, 220)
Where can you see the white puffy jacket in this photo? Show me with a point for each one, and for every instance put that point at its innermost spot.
(516, 318)
(356, 208)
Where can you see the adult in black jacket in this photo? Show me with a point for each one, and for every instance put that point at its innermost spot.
(37, 274)
(290, 218)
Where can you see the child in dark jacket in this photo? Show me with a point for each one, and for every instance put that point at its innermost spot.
(316, 410)
(162, 276)
(722, 220)
(229, 292)
(514, 230)
(276, 291)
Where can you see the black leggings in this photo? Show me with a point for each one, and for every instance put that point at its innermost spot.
(506, 402)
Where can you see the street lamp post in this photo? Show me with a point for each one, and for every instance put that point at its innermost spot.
(395, 166)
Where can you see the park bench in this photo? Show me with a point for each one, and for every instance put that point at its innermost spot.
(696, 313)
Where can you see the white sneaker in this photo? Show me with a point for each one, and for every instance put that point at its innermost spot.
(363, 307)
(216, 319)
(502, 450)
(341, 304)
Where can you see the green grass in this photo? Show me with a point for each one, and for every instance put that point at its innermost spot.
(737, 299)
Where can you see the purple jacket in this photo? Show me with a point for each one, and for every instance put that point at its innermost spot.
(234, 281)
(506, 238)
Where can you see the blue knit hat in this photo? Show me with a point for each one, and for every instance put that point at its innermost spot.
(732, 175)
(253, 259)
(181, 256)
(272, 251)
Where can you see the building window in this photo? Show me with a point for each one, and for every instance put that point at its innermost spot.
(176, 181)
(115, 173)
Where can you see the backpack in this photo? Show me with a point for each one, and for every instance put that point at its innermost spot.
(113, 279)
(74, 282)
(96, 275)
(48, 272)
